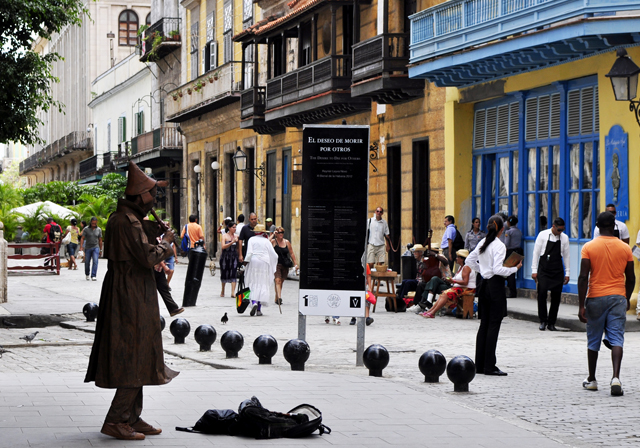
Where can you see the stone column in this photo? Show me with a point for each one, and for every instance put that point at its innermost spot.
(3, 265)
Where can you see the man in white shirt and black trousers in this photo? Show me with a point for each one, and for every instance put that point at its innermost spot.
(549, 253)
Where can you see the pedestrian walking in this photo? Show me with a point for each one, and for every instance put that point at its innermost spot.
(229, 259)
(488, 258)
(286, 260)
(194, 231)
(91, 240)
(127, 350)
(259, 273)
(551, 250)
(246, 234)
(474, 235)
(448, 238)
(606, 272)
(378, 242)
(72, 247)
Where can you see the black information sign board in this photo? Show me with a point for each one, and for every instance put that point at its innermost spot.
(335, 188)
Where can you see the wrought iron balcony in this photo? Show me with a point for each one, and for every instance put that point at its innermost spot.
(73, 146)
(460, 24)
(211, 91)
(158, 147)
(380, 70)
(252, 102)
(315, 92)
(159, 39)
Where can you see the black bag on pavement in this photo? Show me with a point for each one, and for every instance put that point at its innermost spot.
(253, 420)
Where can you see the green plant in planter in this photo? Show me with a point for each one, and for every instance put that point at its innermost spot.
(142, 29)
(174, 34)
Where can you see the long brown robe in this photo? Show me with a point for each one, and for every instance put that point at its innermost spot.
(127, 349)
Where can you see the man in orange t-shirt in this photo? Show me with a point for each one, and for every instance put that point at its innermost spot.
(606, 269)
(194, 231)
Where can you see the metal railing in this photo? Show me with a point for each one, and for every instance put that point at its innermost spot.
(168, 28)
(74, 141)
(88, 166)
(383, 53)
(458, 24)
(328, 73)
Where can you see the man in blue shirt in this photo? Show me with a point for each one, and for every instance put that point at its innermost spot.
(448, 237)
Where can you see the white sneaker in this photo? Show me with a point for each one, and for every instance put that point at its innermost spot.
(417, 309)
(590, 385)
(94, 279)
(88, 278)
(616, 388)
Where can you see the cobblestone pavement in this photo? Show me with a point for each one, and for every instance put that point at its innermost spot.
(545, 369)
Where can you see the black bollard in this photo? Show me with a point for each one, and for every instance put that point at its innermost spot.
(232, 342)
(205, 336)
(90, 311)
(197, 262)
(265, 347)
(180, 329)
(162, 323)
(375, 358)
(432, 364)
(461, 371)
(296, 352)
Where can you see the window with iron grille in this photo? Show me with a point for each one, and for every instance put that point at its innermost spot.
(128, 29)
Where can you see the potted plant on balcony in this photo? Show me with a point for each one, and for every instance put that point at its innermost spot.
(216, 75)
(174, 35)
(175, 97)
(210, 78)
(180, 93)
(189, 90)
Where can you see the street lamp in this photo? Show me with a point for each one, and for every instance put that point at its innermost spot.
(240, 161)
(624, 80)
(215, 166)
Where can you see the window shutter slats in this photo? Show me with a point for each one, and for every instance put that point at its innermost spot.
(543, 117)
(479, 127)
(514, 122)
(596, 111)
(531, 119)
(573, 115)
(503, 125)
(586, 111)
(490, 134)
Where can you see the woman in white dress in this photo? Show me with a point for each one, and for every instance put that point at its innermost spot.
(259, 273)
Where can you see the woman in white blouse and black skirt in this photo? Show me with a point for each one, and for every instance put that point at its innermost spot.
(487, 259)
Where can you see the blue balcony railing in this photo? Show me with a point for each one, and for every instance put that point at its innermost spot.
(459, 24)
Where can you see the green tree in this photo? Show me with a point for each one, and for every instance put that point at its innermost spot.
(114, 185)
(100, 207)
(26, 76)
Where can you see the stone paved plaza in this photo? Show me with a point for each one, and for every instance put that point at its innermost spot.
(540, 403)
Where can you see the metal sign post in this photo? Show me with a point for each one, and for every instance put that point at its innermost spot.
(335, 190)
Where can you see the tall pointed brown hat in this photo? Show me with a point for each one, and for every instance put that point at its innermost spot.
(139, 183)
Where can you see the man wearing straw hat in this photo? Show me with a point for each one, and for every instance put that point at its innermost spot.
(127, 349)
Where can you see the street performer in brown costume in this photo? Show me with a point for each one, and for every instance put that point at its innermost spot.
(127, 349)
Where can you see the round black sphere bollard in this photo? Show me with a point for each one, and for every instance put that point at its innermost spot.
(232, 342)
(205, 337)
(461, 371)
(180, 329)
(90, 311)
(265, 347)
(162, 323)
(375, 358)
(296, 352)
(432, 364)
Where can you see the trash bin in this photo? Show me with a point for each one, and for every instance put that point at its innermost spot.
(195, 271)
(409, 268)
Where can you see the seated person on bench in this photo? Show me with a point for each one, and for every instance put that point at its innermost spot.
(410, 284)
(464, 282)
(426, 292)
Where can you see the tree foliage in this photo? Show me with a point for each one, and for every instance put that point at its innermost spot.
(26, 76)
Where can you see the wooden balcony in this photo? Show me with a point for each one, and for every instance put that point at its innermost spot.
(73, 147)
(252, 105)
(316, 92)
(380, 70)
(159, 147)
(213, 90)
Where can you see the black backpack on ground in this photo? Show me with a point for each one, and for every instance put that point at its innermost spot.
(458, 243)
(253, 420)
(55, 233)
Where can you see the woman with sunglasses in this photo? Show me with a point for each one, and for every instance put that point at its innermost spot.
(286, 260)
